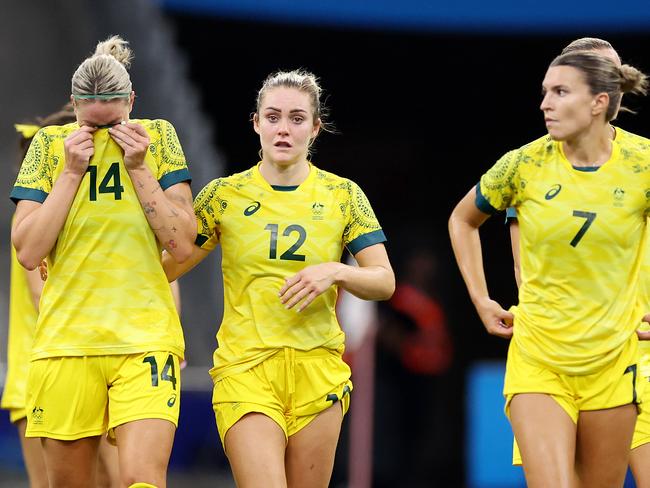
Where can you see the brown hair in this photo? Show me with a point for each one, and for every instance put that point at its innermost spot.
(602, 75)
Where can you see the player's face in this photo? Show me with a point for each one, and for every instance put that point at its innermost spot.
(568, 104)
(285, 124)
(98, 113)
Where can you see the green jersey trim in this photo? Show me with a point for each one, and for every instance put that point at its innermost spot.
(366, 240)
(178, 176)
(21, 193)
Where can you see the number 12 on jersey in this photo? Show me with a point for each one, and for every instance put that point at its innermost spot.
(289, 254)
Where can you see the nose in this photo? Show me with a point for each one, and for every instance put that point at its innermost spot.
(283, 126)
(546, 103)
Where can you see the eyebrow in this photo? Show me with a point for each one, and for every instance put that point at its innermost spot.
(295, 110)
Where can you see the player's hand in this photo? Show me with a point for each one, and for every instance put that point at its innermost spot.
(79, 148)
(644, 335)
(306, 285)
(134, 141)
(496, 320)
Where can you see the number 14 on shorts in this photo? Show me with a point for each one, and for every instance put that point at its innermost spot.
(168, 372)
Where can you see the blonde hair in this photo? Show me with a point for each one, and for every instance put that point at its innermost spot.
(105, 72)
(602, 75)
(303, 81)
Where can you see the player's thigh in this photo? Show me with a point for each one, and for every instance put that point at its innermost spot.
(603, 445)
(310, 452)
(32, 455)
(255, 446)
(546, 436)
(144, 400)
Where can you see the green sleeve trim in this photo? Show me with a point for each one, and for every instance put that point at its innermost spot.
(21, 193)
(200, 240)
(482, 203)
(178, 176)
(366, 240)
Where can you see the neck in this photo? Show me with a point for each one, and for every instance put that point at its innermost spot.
(284, 175)
(590, 148)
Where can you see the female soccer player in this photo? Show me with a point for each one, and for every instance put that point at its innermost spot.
(641, 439)
(571, 381)
(281, 387)
(99, 198)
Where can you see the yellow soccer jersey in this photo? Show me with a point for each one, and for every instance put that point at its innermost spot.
(22, 323)
(582, 240)
(106, 291)
(268, 234)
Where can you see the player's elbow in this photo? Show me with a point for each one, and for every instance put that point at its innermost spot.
(389, 286)
(180, 253)
(28, 260)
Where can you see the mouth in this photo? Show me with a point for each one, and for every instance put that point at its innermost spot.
(282, 145)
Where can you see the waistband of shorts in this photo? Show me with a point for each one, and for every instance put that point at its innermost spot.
(319, 352)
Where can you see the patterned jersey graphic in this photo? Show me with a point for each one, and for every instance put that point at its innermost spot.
(582, 241)
(268, 234)
(106, 292)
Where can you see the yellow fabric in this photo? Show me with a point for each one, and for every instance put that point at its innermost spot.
(16, 414)
(27, 130)
(74, 397)
(106, 291)
(142, 485)
(642, 427)
(268, 235)
(292, 388)
(22, 324)
(579, 271)
(619, 383)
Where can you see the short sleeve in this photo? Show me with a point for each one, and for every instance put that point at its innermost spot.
(172, 167)
(34, 181)
(362, 229)
(497, 189)
(208, 207)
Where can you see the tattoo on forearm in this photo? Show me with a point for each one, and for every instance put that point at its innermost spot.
(173, 229)
(149, 208)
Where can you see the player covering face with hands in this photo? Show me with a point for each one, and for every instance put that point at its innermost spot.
(100, 198)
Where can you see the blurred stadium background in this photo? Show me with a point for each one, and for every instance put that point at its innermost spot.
(425, 96)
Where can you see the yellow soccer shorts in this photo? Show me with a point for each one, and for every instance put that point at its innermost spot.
(618, 384)
(642, 427)
(17, 414)
(74, 397)
(292, 388)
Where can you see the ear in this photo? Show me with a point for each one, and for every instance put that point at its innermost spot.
(131, 101)
(256, 123)
(599, 104)
(317, 127)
